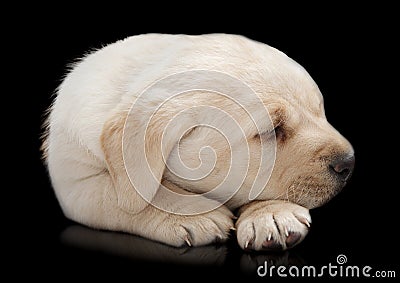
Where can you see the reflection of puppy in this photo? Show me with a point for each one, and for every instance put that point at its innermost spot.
(138, 248)
(91, 168)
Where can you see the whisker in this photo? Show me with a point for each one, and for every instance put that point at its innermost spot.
(304, 188)
(307, 189)
(302, 193)
(279, 195)
(301, 196)
(295, 191)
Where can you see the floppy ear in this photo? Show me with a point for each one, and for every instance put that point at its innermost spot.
(136, 151)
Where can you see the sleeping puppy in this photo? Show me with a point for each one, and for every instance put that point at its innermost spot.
(165, 136)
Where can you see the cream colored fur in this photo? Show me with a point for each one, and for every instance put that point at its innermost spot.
(84, 153)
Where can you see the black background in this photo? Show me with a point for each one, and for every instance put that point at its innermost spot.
(347, 52)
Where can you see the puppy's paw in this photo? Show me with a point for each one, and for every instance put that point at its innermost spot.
(197, 230)
(272, 225)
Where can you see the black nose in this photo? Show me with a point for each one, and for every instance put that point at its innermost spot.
(342, 166)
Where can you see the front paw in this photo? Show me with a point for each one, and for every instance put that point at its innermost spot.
(192, 230)
(272, 225)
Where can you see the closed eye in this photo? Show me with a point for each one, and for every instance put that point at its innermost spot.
(278, 131)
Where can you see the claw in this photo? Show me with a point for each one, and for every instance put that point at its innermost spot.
(304, 221)
(269, 236)
(188, 242)
(233, 228)
(286, 232)
(246, 244)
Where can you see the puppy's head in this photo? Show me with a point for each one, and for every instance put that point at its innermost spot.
(217, 137)
(312, 161)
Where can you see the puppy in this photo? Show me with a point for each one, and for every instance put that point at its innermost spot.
(165, 136)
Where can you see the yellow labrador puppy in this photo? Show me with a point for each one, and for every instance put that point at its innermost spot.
(165, 136)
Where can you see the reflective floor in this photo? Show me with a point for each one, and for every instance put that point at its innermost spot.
(331, 235)
(130, 247)
(137, 248)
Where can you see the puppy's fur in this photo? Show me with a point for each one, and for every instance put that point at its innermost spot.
(87, 123)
